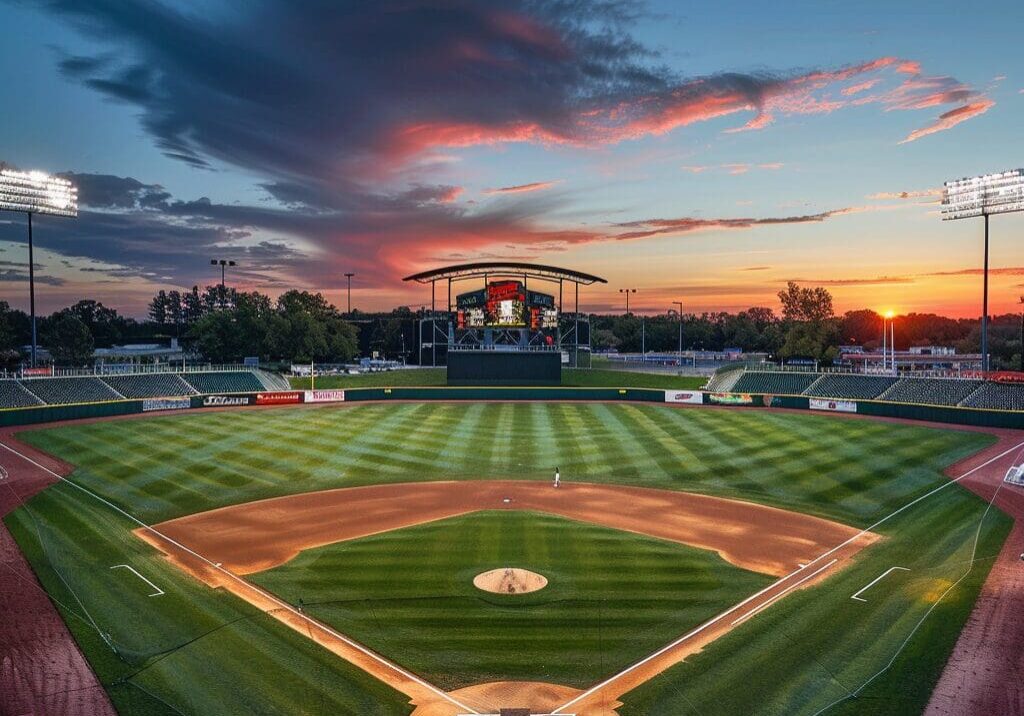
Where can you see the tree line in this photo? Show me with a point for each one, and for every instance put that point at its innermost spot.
(223, 325)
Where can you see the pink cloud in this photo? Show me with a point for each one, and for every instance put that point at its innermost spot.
(951, 118)
(860, 87)
(522, 188)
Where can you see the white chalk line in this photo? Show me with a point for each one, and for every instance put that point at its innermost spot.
(873, 582)
(727, 612)
(768, 602)
(134, 571)
(271, 597)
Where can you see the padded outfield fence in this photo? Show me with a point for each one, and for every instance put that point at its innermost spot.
(984, 417)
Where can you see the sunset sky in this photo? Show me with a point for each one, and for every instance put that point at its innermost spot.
(702, 152)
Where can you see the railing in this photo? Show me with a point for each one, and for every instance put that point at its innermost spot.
(141, 369)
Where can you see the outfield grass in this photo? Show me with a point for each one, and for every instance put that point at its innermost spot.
(409, 594)
(198, 649)
(575, 378)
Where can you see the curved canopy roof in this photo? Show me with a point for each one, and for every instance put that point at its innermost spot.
(486, 268)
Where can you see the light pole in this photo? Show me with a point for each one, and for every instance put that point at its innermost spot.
(1000, 193)
(36, 193)
(889, 316)
(349, 277)
(223, 263)
(1022, 334)
(627, 291)
(679, 359)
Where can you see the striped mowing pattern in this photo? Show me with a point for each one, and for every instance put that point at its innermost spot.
(171, 466)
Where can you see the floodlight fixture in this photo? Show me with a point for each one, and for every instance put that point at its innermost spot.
(36, 193)
(999, 193)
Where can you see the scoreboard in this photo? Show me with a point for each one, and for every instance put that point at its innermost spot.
(506, 304)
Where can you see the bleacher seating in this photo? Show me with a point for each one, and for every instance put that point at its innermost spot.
(847, 385)
(61, 391)
(223, 382)
(997, 396)
(13, 395)
(931, 391)
(774, 382)
(149, 385)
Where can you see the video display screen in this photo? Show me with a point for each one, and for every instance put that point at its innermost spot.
(506, 304)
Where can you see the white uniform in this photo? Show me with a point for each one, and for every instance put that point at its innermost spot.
(557, 478)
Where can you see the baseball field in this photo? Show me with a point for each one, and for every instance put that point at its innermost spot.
(322, 560)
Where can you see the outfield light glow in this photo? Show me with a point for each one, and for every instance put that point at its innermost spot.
(1000, 193)
(37, 193)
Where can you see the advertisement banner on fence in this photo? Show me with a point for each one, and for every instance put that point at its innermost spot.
(150, 404)
(30, 372)
(279, 398)
(684, 396)
(840, 406)
(218, 401)
(325, 396)
(731, 398)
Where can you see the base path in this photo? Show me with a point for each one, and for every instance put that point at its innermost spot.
(251, 537)
(255, 536)
(42, 671)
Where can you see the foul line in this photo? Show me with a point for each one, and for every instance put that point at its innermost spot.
(875, 581)
(768, 602)
(158, 591)
(284, 605)
(727, 612)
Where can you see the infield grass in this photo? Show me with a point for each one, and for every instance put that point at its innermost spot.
(200, 651)
(410, 594)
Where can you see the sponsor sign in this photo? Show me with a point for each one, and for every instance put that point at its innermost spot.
(150, 404)
(37, 371)
(279, 398)
(840, 406)
(213, 401)
(684, 396)
(731, 398)
(325, 396)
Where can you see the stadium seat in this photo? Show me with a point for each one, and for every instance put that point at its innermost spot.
(844, 385)
(13, 395)
(931, 391)
(149, 385)
(223, 382)
(62, 391)
(774, 382)
(996, 396)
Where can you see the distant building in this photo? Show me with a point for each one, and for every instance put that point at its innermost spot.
(942, 359)
(136, 353)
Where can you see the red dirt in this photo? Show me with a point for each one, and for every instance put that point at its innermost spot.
(42, 671)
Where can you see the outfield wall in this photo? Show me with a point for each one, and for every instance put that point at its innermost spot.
(932, 413)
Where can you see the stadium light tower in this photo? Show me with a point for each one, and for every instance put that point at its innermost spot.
(36, 193)
(627, 291)
(223, 263)
(349, 277)
(1022, 334)
(1000, 193)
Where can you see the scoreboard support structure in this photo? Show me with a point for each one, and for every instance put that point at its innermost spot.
(505, 314)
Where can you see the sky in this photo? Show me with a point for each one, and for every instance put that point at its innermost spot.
(698, 152)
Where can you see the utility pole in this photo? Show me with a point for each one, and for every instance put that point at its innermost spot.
(349, 277)
(1022, 334)
(679, 360)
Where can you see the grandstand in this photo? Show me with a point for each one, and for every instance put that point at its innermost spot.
(224, 382)
(776, 383)
(850, 385)
(931, 391)
(64, 391)
(997, 396)
(149, 385)
(14, 395)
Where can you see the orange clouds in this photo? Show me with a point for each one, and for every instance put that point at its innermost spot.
(522, 188)
(951, 118)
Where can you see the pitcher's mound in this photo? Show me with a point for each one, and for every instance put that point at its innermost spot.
(510, 580)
